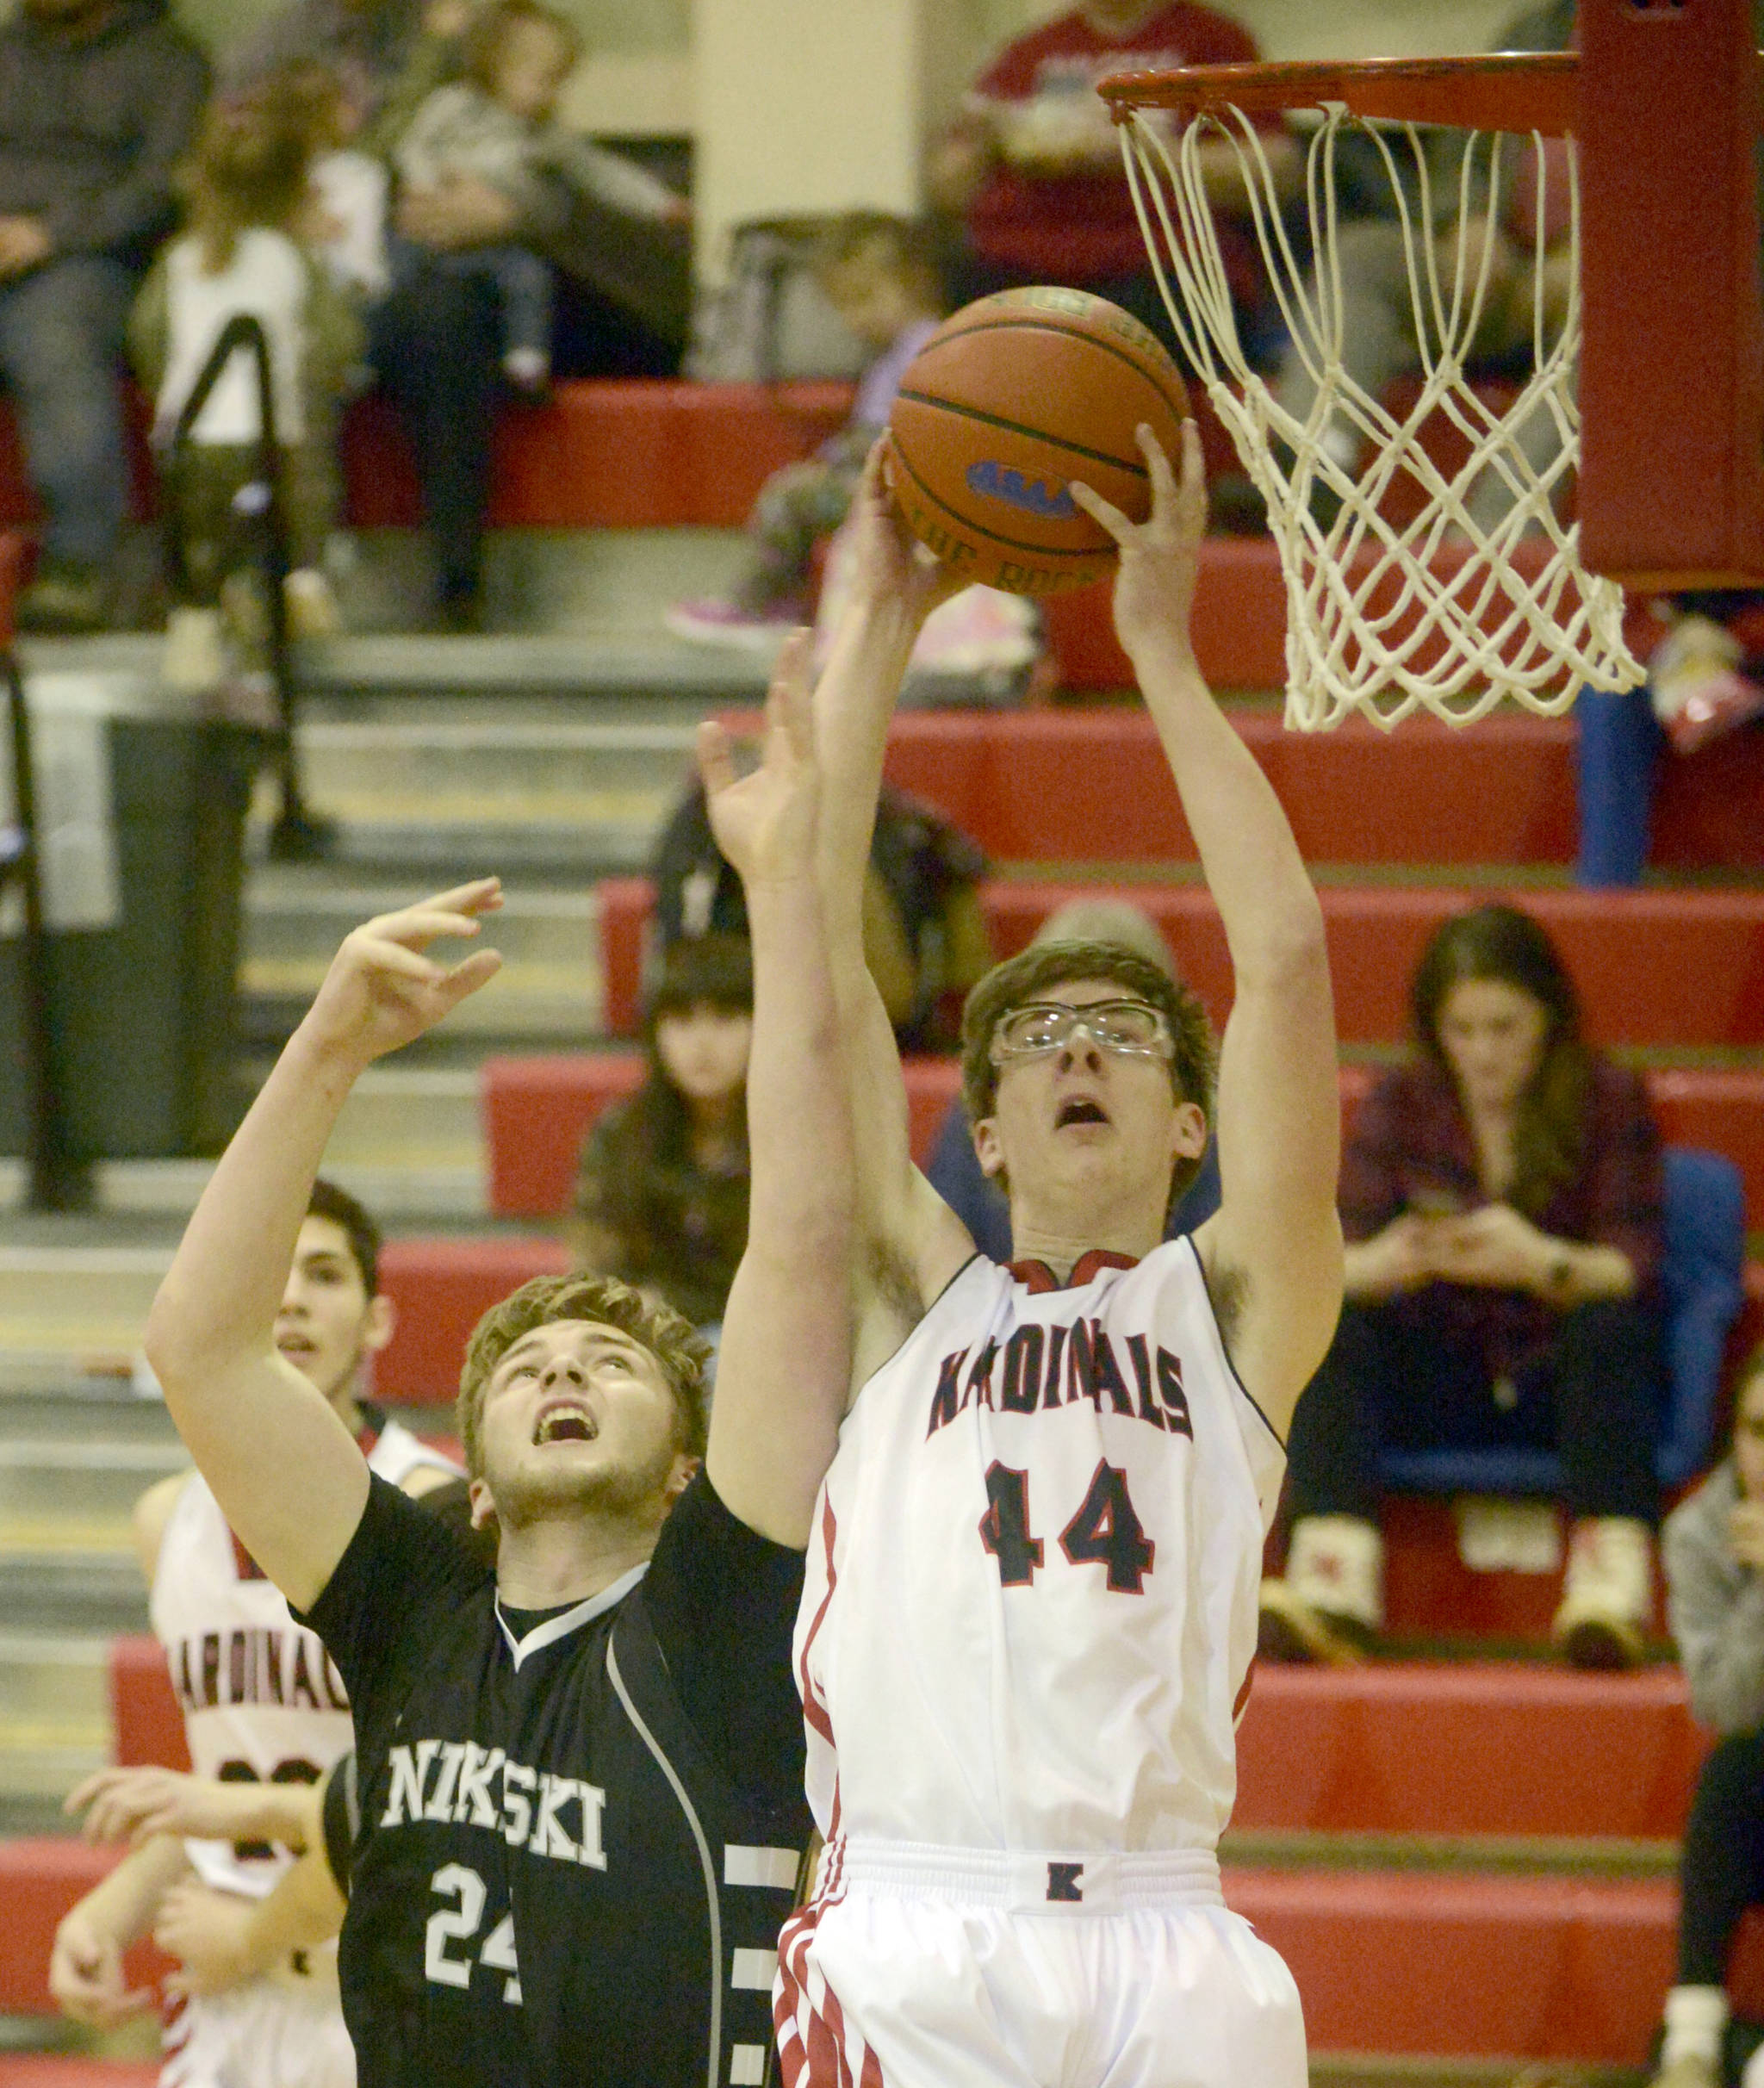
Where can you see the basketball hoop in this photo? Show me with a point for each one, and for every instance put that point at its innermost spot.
(1451, 609)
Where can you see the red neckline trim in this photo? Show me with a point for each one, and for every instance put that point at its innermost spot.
(1036, 1277)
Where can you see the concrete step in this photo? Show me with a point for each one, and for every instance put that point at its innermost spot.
(74, 1307)
(549, 985)
(55, 1722)
(482, 788)
(44, 1482)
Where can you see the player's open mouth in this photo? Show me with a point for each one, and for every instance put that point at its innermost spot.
(566, 1421)
(1079, 1110)
(296, 1347)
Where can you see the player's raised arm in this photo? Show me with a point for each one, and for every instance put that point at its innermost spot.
(1273, 1250)
(289, 1480)
(906, 1231)
(785, 1360)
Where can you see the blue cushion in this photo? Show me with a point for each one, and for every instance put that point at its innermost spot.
(1706, 1248)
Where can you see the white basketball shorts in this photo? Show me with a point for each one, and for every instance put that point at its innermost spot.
(923, 1967)
(267, 2033)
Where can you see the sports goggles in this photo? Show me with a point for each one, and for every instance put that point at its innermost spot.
(1129, 1028)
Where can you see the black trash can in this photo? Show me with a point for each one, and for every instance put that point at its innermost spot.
(141, 1007)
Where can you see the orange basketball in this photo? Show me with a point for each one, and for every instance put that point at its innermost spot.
(1007, 402)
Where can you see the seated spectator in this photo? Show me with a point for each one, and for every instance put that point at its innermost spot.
(662, 1196)
(1033, 164)
(98, 99)
(489, 178)
(387, 52)
(1502, 1197)
(1712, 1549)
(924, 935)
(348, 220)
(1375, 284)
(880, 275)
(953, 1169)
(249, 200)
(1707, 676)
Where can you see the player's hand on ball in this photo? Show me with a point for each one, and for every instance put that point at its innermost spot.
(890, 564)
(765, 822)
(208, 1933)
(1154, 582)
(384, 988)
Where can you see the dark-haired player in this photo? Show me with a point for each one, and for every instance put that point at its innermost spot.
(578, 1776)
(1031, 1599)
(261, 1701)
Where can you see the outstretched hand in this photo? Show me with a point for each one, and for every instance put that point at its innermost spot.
(1154, 582)
(765, 822)
(132, 1805)
(384, 990)
(889, 562)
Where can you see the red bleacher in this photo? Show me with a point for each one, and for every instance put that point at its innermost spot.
(440, 1289)
(1463, 1749)
(40, 1878)
(1652, 967)
(537, 1111)
(1520, 1968)
(617, 454)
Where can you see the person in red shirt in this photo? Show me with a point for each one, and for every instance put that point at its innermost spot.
(1033, 165)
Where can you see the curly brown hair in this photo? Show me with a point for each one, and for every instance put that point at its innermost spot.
(1043, 965)
(681, 1354)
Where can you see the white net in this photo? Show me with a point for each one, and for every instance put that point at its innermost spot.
(1475, 590)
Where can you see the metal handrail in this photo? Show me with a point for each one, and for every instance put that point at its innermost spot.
(245, 331)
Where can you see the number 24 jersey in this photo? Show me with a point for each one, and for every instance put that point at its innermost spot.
(1030, 1608)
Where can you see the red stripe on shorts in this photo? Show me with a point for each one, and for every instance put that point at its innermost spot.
(814, 1711)
(815, 2046)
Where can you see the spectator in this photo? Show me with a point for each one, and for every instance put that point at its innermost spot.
(1377, 289)
(351, 189)
(470, 219)
(249, 201)
(387, 52)
(1033, 164)
(954, 1171)
(924, 935)
(881, 275)
(98, 98)
(662, 1196)
(1502, 1197)
(1713, 1552)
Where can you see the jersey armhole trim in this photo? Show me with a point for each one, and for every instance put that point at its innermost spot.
(930, 1308)
(1187, 1240)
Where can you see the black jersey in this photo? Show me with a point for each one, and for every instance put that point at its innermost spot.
(576, 1848)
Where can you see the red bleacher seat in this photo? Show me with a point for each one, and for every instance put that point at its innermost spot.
(40, 1878)
(538, 1112)
(1484, 1749)
(1522, 1968)
(1652, 967)
(74, 2070)
(440, 1290)
(147, 1723)
(614, 453)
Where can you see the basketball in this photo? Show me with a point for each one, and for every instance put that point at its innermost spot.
(1011, 399)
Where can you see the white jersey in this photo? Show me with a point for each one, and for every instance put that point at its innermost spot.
(261, 1701)
(1031, 1597)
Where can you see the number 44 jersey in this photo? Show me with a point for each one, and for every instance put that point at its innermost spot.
(1031, 1601)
